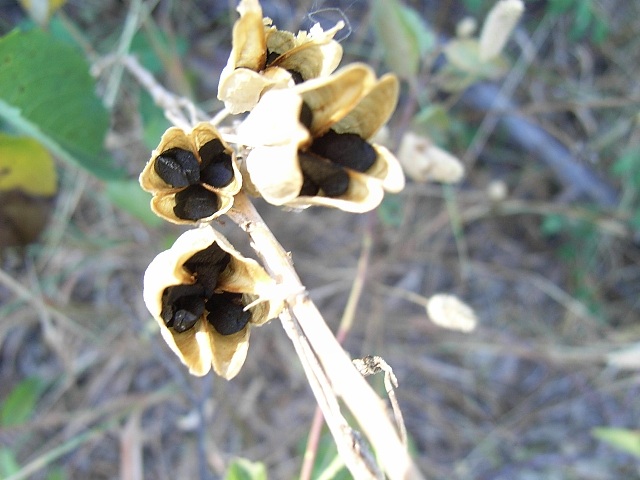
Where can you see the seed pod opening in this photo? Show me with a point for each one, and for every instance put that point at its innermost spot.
(192, 176)
(309, 145)
(263, 58)
(198, 291)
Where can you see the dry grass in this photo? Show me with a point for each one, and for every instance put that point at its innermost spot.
(516, 399)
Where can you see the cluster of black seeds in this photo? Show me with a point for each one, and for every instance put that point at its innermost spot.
(181, 169)
(183, 305)
(323, 164)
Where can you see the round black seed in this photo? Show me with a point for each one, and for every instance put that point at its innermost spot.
(218, 173)
(309, 188)
(182, 306)
(306, 115)
(177, 167)
(207, 265)
(195, 202)
(331, 178)
(226, 313)
(216, 169)
(347, 149)
(297, 76)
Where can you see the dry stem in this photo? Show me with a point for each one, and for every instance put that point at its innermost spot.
(311, 335)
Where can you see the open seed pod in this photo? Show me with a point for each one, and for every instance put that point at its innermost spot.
(198, 290)
(308, 144)
(192, 176)
(263, 57)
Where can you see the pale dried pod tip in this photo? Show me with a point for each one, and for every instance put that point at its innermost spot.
(448, 311)
(500, 22)
(423, 161)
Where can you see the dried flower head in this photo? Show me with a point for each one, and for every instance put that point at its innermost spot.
(263, 57)
(198, 290)
(192, 176)
(309, 144)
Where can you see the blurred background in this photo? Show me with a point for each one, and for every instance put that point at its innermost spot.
(540, 239)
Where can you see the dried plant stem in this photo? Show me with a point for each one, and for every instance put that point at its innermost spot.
(345, 325)
(311, 336)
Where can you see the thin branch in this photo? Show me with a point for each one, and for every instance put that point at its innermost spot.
(346, 382)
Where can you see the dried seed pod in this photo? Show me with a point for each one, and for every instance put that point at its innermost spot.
(192, 176)
(264, 58)
(178, 286)
(330, 118)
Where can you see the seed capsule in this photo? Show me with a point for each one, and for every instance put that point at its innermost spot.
(182, 306)
(331, 178)
(226, 313)
(346, 149)
(178, 167)
(195, 202)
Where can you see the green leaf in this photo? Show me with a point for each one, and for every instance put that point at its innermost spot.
(19, 405)
(148, 44)
(620, 438)
(559, 6)
(128, 195)
(434, 121)
(153, 120)
(553, 224)
(46, 92)
(8, 463)
(243, 469)
(27, 166)
(404, 36)
(56, 474)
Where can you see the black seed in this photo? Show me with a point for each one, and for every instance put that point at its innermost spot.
(182, 306)
(207, 265)
(195, 202)
(210, 150)
(271, 56)
(331, 178)
(218, 173)
(226, 313)
(309, 188)
(216, 169)
(177, 167)
(306, 115)
(297, 76)
(347, 149)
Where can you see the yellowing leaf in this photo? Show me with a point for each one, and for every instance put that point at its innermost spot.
(41, 10)
(27, 166)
